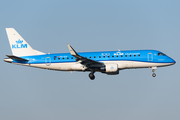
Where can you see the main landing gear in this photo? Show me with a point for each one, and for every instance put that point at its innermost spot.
(91, 76)
(153, 69)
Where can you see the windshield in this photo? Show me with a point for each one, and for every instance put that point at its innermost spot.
(161, 54)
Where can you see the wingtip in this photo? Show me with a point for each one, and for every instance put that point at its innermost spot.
(9, 28)
(68, 45)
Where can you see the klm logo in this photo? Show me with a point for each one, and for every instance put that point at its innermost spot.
(19, 44)
(118, 53)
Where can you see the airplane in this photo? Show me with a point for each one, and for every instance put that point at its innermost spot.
(107, 62)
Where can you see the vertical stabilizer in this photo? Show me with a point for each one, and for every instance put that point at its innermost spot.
(19, 46)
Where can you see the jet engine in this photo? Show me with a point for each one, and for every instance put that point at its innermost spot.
(110, 69)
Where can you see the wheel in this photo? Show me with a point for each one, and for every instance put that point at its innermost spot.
(154, 75)
(91, 76)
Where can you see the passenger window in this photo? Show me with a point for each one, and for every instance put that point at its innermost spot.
(121, 55)
(63, 58)
(130, 55)
(99, 56)
(108, 56)
(90, 57)
(58, 58)
(113, 56)
(104, 56)
(94, 56)
(139, 55)
(67, 58)
(117, 56)
(134, 55)
(71, 57)
(125, 55)
(54, 57)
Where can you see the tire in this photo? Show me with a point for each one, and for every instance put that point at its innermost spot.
(154, 75)
(91, 76)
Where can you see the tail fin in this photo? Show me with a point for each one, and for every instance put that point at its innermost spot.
(19, 46)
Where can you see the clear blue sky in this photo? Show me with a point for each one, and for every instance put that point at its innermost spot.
(91, 25)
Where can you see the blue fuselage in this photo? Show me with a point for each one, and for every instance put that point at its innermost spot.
(151, 56)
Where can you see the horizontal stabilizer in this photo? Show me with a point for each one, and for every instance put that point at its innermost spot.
(17, 58)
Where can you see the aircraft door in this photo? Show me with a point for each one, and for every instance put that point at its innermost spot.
(48, 61)
(150, 57)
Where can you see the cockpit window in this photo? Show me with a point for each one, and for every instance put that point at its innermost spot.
(161, 54)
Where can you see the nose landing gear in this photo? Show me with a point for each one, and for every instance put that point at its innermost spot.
(154, 75)
(153, 69)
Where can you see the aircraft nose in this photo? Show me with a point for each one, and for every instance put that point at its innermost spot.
(172, 61)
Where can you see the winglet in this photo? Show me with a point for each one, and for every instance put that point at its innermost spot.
(72, 51)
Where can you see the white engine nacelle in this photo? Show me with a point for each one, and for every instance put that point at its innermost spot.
(111, 69)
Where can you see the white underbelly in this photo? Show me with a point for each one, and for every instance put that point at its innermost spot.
(75, 66)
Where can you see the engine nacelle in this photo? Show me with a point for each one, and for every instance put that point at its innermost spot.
(111, 69)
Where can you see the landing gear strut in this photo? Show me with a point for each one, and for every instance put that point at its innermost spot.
(91, 76)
